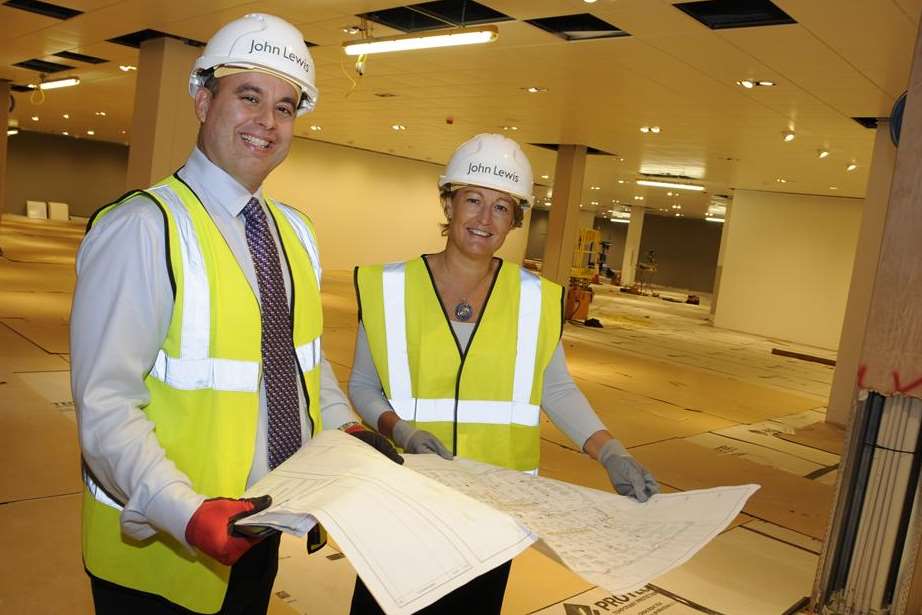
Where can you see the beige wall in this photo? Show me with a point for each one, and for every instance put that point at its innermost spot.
(368, 207)
(787, 266)
(85, 174)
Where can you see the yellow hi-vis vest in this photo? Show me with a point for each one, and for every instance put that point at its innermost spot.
(204, 390)
(483, 404)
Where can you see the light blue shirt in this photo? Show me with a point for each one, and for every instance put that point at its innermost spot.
(123, 304)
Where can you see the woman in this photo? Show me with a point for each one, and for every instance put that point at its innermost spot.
(466, 348)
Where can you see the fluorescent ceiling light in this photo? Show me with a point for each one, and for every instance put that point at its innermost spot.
(673, 185)
(620, 220)
(59, 83)
(429, 40)
(710, 219)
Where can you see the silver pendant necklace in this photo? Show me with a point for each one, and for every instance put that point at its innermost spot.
(464, 311)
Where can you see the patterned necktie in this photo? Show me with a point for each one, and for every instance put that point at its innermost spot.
(279, 365)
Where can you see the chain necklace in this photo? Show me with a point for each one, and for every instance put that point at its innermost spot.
(463, 309)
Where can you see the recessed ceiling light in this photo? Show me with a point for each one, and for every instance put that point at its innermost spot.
(510, 127)
(66, 116)
(788, 135)
(12, 131)
(91, 132)
(620, 181)
(822, 153)
(589, 1)
(545, 177)
(34, 118)
(781, 180)
(127, 67)
(851, 166)
(752, 83)
(638, 198)
(65, 133)
(398, 127)
(650, 129)
(124, 132)
(595, 187)
(315, 127)
(593, 202)
(833, 187)
(352, 29)
(100, 114)
(534, 89)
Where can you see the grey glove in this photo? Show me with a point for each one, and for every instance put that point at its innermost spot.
(414, 440)
(627, 476)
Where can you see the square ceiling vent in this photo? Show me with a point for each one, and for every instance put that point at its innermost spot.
(433, 15)
(724, 14)
(579, 27)
(43, 8)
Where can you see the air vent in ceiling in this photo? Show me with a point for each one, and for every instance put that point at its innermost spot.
(669, 176)
(461, 12)
(434, 15)
(20, 88)
(310, 44)
(43, 8)
(867, 122)
(722, 14)
(589, 150)
(580, 27)
(134, 39)
(80, 57)
(42, 66)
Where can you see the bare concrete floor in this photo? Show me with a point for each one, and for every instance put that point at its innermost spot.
(700, 406)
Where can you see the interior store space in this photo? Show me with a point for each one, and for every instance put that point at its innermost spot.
(727, 190)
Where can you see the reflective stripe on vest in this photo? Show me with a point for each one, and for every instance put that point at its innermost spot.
(519, 411)
(194, 369)
(98, 492)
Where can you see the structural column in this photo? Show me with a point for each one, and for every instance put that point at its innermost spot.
(632, 246)
(724, 232)
(164, 126)
(867, 254)
(564, 223)
(4, 121)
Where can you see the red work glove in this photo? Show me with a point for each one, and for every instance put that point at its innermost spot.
(209, 529)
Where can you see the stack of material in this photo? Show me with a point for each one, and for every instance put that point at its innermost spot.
(870, 568)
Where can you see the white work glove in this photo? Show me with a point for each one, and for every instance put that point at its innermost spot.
(414, 440)
(626, 474)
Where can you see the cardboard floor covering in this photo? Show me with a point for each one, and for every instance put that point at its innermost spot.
(744, 573)
(52, 337)
(822, 435)
(41, 571)
(786, 500)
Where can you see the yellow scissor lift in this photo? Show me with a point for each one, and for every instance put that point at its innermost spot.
(583, 268)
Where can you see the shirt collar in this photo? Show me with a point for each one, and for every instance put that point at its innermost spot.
(222, 189)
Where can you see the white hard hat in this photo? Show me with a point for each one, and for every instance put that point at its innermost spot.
(491, 161)
(264, 43)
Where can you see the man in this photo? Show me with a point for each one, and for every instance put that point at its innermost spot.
(195, 342)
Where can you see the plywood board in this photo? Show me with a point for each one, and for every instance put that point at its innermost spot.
(50, 306)
(321, 582)
(822, 435)
(785, 535)
(744, 572)
(39, 452)
(41, 571)
(767, 434)
(597, 601)
(19, 354)
(537, 581)
(723, 445)
(52, 337)
(53, 386)
(683, 386)
(789, 501)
